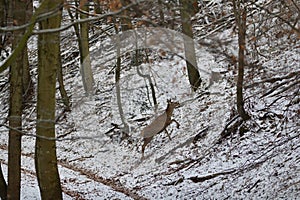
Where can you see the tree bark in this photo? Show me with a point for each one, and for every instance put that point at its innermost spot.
(118, 88)
(240, 16)
(85, 60)
(118, 93)
(3, 21)
(3, 185)
(18, 12)
(48, 62)
(62, 90)
(27, 82)
(189, 48)
(126, 25)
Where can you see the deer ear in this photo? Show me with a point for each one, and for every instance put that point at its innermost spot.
(169, 101)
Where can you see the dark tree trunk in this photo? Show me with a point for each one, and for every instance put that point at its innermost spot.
(27, 82)
(240, 16)
(189, 48)
(85, 60)
(62, 90)
(3, 185)
(18, 12)
(48, 63)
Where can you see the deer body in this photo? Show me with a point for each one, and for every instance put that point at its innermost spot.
(159, 124)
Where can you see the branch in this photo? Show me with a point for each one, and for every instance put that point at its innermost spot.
(278, 86)
(273, 80)
(197, 179)
(35, 17)
(185, 143)
(85, 20)
(279, 17)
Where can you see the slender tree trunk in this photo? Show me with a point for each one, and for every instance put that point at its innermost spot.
(3, 185)
(27, 87)
(85, 64)
(27, 82)
(48, 61)
(118, 88)
(148, 77)
(240, 16)
(189, 48)
(2, 13)
(3, 21)
(18, 13)
(62, 90)
(85, 60)
(126, 25)
(118, 93)
(15, 122)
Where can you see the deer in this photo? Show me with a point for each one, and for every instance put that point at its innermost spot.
(159, 124)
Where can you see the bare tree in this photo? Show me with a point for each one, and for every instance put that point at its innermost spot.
(126, 25)
(3, 23)
(189, 48)
(3, 185)
(62, 90)
(240, 13)
(85, 60)
(118, 88)
(18, 12)
(48, 60)
(26, 79)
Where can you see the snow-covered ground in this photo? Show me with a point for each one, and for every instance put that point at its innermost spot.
(263, 162)
(259, 159)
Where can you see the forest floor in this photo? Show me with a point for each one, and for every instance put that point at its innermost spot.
(213, 155)
(256, 159)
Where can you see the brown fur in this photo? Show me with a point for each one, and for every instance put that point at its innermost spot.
(159, 124)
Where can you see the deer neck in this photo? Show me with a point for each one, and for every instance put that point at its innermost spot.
(169, 110)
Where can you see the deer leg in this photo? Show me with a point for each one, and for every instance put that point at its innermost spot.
(168, 134)
(146, 141)
(177, 124)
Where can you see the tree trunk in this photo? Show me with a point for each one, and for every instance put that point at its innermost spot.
(83, 44)
(27, 85)
(27, 82)
(189, 48)
(3, 20)
(118, 93)
(62, 90)
(15, 122)
(48, 62)
(240, 16)
(15, 106)
(85, 60)
(3, 185)
(126, 25)
(118, 88)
